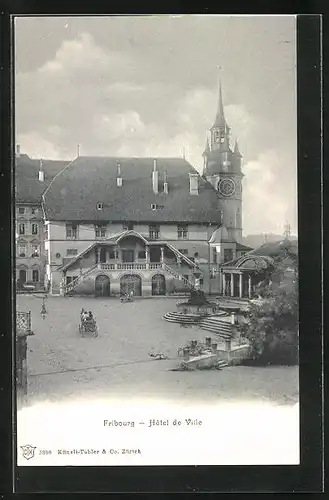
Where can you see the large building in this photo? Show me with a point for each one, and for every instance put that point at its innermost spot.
(152, 225)
(31, 178)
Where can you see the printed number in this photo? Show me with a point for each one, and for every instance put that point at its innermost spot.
(45, 452)
(129, 452)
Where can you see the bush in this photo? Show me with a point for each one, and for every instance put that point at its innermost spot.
(272, 327)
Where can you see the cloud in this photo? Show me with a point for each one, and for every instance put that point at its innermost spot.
(267, 201)
(113, 101)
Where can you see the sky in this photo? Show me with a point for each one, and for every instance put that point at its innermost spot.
(148, 86)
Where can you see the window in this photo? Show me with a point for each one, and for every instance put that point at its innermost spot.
(214, 255)
(35, 251)
(142, 254)
(113, 254)
(22, 251)
(201, 281)
(34, 210)
(186, 276)
(71, 251)
(21, 210)
(71, 231)
(182, 231)
(184, 251)
(155, 206)
(238, 218)
(21, 228)
(35, 275)
(128, 226)
(228, 254)
(100, 206)
(34, 228)
(100, 231)
(69, 279)
(154, 232)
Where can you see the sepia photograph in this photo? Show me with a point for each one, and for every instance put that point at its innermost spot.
(156, 235)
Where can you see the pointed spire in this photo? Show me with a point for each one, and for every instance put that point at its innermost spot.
(220, 117)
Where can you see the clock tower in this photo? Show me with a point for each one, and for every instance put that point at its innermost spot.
(222, 168)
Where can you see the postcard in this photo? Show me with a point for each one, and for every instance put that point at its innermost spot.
(156, 253)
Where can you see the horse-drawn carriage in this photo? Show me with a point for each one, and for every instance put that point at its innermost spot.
(88, 326)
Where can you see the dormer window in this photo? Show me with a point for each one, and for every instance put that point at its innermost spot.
(100, 206)
(155, 206)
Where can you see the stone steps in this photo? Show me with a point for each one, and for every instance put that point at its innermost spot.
(178, 317)
(216, 325)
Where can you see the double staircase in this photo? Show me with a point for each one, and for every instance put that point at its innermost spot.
(67, 288)
(178, 276)
(70, 286)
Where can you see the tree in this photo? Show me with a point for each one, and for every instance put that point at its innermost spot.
(272, 327)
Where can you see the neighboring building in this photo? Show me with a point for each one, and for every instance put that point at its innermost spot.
(151, 225)
(241, 276)
(31, 179)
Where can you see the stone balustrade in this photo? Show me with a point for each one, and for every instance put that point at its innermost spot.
(129, 266)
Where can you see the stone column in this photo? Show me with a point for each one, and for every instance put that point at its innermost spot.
(162, 255)
(98, 253)
(241, 286)
(232, 285)
(147, 256)
(224, 283)
(249, 287)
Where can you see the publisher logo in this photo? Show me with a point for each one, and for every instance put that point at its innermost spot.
(28, 451)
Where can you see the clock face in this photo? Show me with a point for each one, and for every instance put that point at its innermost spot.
(226, 187)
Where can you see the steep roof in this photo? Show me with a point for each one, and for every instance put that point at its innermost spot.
(28, 188)
(87, 181)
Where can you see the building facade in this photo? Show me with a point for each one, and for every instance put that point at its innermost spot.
(31, 179)
(151, 225)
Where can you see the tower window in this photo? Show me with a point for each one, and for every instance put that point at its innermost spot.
(100, 206)
(228, 254)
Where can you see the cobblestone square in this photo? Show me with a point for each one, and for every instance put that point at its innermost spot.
(62, 365)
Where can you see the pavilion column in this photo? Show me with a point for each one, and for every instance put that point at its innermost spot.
(249, 286)
(162, 255)
(240, 285)
(232, 285)
(224, 283)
